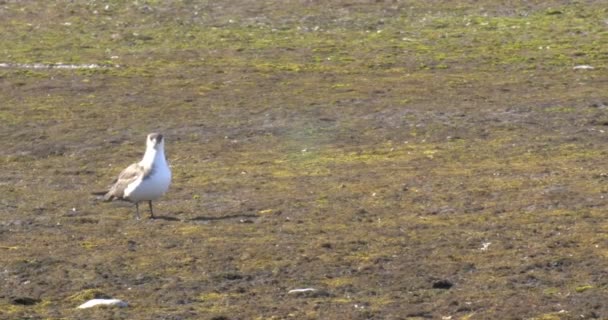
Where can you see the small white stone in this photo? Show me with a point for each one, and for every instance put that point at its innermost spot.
(302, 290)
(485, 246)
(103, 302)
(583, 67)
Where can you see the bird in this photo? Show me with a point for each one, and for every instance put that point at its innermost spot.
(146, 180)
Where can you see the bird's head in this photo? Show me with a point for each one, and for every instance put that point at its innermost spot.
(156, 141)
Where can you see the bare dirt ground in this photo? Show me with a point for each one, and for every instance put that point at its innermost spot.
(406, 159)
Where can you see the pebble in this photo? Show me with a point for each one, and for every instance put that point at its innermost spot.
(583, 67)
(309, 293)
(103, 302)
(302, 290)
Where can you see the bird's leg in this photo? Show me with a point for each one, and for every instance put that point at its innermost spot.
(137, 211)
(151, 211)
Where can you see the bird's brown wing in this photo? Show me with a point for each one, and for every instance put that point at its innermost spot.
(127, 176)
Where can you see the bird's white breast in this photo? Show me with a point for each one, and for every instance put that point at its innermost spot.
(152, 187)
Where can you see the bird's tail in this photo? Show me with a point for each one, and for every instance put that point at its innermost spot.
(105, 195)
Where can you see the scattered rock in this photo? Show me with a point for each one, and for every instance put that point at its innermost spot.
(326, 245)
(442, 284)
(553, 12)
(103, 302)
(302, 290)
(361, 305)
(25, 301)
(420, 314)
(229, 276)
(485, 246)
(309, 292)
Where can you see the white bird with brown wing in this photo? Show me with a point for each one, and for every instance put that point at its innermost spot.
(146, 180)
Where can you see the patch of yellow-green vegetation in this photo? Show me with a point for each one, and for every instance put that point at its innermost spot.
(552, 316)
(468, 316)
(191, 229)
(254, 262)
(266, 212)
(552, 291)
(338, 282)
(379, 302)
(86, 295)
(88, 244)
(564, 109)
(10, 247)
(524, 40)
(365, 257)
(583, 288)
(22, 311)
(215, 302)
(273, 67)
(214, 296)
(322, 161)
(437, 41)
(11, 309)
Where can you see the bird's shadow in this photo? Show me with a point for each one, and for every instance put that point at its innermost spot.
(242, 216)
(166, 218)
